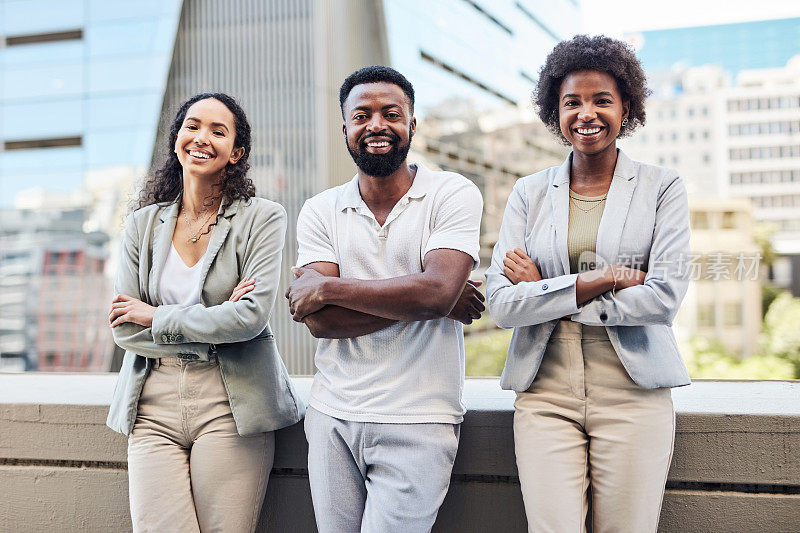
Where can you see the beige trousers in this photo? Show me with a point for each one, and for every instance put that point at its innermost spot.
(585, 423)
(188, 468)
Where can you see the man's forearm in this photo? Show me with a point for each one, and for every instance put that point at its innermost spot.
(334, 322)
(407, 298)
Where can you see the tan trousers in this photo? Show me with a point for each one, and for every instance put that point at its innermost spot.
(582, 423)
(188, 468)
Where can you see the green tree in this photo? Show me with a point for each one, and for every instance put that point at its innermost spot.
(781, 333)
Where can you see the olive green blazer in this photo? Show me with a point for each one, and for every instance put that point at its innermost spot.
(246, 241)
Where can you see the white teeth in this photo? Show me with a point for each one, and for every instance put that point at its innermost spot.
(588, 131)
(378, 145)
(201, 155)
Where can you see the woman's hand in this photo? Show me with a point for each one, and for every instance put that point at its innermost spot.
(244, 286)
(129, 309)
(627, 277)
(520, 267)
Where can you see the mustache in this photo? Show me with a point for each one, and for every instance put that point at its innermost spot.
(388, 134)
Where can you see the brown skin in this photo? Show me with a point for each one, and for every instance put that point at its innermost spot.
(588, 99)
(370, 109)
(333, 307)
(336, 322)
(209, 128)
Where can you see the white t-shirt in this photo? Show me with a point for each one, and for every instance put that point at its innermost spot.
(180, 284)
(409, 372)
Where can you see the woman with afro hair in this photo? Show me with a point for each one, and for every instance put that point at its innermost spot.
(202, 388)
(587, 271)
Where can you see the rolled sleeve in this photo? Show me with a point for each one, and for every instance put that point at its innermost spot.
(457, 222)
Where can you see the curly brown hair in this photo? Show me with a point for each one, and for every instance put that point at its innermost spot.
(602, 53)
(166, 183)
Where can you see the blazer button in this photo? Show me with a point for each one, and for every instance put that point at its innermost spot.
(178, 338)
(544, 287)
(603, 316)
(164, 338)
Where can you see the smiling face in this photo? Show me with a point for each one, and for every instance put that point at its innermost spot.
(590, 111)
(378, 127)
(205, 142)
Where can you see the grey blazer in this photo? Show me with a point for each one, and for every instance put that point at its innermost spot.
(247, 241)
(645, 225)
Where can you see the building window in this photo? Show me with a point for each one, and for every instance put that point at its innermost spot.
(490, 17)
(700, 220)
(732, 314)
(51, 142)
(452, 70)
(705, 315)
(728, 220)
(50, 37)
(706, 158)
(527, 77)
(538, 22)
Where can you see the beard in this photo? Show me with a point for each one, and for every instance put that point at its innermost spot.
(380, 165)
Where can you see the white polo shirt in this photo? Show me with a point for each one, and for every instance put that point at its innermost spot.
(409, 372)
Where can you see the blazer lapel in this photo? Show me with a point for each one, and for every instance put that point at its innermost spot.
(618, 202)
(559, 200)
(162, 240)
(218, 235)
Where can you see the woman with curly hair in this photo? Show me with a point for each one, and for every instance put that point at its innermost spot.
(202, 387)
(586, 269)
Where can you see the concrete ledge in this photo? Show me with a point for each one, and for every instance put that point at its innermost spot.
(736, 465)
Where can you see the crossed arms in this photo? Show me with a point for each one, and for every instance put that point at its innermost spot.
(332, 307)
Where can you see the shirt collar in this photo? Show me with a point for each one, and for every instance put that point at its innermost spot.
(351, 196)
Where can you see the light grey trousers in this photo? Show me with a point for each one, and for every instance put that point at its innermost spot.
(378, 478)
(188, 468)
(585, 423)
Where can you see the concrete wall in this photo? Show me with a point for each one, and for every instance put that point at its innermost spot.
(736, 465)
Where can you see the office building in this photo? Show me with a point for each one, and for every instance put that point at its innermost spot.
(735, 139)
(111, 75)
(724, 297)
(733, 47)
(54, 297)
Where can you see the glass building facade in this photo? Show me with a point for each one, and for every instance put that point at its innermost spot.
(90, 88)
(734, 47)
(81, 86)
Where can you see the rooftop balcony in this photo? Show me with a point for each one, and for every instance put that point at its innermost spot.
(736, 465)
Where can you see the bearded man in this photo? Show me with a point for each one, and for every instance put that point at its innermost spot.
(382, 281)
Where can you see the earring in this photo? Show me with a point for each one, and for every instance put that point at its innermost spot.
(624, 122)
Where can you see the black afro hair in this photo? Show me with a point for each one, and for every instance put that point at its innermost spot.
(591, 53)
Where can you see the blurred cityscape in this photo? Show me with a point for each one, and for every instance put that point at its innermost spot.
(88, 89)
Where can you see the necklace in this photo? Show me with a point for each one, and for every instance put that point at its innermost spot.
(596, 203)
(196, 236)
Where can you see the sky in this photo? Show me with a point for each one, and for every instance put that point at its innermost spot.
(616, 17)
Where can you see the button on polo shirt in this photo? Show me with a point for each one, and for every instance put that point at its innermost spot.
(409, 372)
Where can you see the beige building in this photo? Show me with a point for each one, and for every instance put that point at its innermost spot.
(724, 297)
(733, 139)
